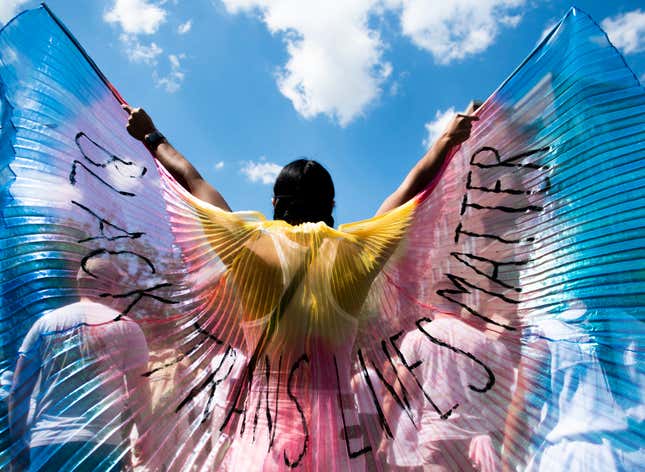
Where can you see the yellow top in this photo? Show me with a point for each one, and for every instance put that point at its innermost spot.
(299, 281)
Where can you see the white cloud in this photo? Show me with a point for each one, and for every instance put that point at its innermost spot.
(627, 31)
(396, 84)
(174, 60)
(394, 88)
(437, 126)
(455, 29)
(511, 20)
(262, 171)
(141, 53)
(136, 16)
(173, 80)
(9, 9)
(335, 64)
(185, 27)
(144, 17)
(218, 165)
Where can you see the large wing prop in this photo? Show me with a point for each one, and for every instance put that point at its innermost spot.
(535, 232)
(254, 330)
(78, 192)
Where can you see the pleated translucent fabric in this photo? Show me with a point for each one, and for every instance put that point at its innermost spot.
(495, 319)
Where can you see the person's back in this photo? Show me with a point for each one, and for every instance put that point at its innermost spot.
(310, 334)
(83, 351)
(447, 373)
(586, 423)
(448, 376)
(578, 384)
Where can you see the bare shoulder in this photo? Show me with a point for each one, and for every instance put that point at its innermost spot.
(263, 247)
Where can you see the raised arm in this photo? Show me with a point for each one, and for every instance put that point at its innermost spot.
(140, 126)
(429, 165)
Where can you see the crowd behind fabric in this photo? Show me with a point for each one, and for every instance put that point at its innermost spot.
(87, 382)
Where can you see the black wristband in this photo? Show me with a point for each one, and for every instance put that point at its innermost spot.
(154, 139)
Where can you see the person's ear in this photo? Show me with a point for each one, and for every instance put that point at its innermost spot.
(273, 202)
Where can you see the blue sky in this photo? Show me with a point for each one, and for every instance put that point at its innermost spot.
(242, 87)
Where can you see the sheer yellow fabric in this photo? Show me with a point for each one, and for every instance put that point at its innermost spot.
(300, 275)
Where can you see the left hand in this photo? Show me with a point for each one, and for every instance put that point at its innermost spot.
(139, 124)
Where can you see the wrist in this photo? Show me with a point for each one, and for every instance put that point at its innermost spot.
(153, 139)
(445, 140)
(440, 144)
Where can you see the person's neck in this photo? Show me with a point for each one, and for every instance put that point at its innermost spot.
(105, 301)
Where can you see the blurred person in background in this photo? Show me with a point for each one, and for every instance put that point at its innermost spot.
(86, 362)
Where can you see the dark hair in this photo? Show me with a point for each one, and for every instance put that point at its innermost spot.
(304, 192)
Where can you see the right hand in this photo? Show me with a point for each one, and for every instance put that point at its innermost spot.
(459, 128)
(139, 124)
